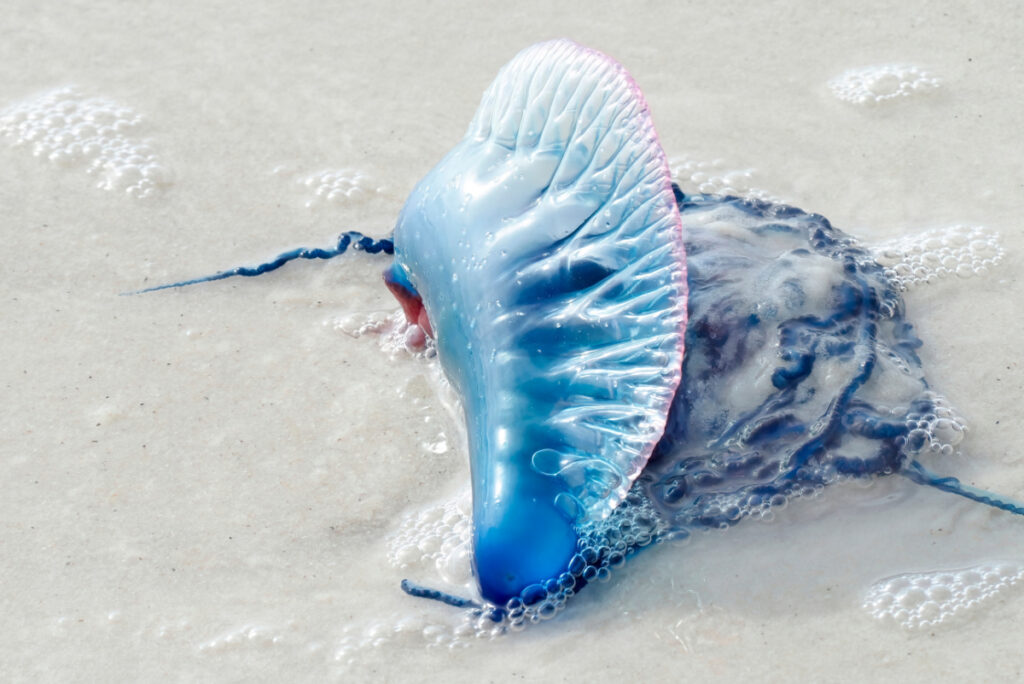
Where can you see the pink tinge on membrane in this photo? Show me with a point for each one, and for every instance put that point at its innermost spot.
(412, 303)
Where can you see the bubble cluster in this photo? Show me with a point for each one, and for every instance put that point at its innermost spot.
(72, 129)
(395, 333)
(603, 547)
(927, 599)
(437, 537)
(960, 250)
(336, 186)
(939, 430)
(373, 322)
(330, 187)
(879, 83)
(716, 178)
(730, 508)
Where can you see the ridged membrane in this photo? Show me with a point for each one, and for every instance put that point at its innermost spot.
(547, 249)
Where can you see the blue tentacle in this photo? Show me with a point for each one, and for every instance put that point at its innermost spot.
(352, 238)
(921, 475)
(419, 591)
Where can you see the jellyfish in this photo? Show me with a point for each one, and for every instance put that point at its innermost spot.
(635, 363)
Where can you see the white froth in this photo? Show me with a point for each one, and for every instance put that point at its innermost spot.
(939, 431)
(361, 323)
(70, 128)
(396, 335)
(926, 599)
(880, 83)
(432, 543)
(716, 177)
(960, 250)
(436, 539)
(334, 187)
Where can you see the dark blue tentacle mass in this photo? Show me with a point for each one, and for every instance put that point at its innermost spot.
(800, 371)
(797, 371)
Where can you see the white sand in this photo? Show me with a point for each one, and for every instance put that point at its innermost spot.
(196, 484)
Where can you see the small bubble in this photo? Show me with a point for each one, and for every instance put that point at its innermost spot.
(873, 85)
(70, 128)
(962, 250)
(919, 600)
(714, 178)
(334, 186)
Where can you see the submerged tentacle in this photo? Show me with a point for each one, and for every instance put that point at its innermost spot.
(916, 472)
(419, 591)
(351, 238)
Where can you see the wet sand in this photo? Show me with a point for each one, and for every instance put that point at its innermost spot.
(200, 485)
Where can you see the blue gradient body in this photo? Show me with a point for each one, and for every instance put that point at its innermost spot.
(545, 249)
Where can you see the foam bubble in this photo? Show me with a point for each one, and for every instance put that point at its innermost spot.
(715, 177)
(331, 187)
(602, 548)
(926, 599)
(437, 540)
(437, 537)
(372, 322)
(880, 83)
(71, 129)
(959, 250)
(396, 334)
(336, 186)
(938, 431)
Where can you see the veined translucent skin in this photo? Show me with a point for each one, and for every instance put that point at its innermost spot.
(546, 253)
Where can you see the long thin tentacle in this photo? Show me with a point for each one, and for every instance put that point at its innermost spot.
(352, 238)
(921, 475)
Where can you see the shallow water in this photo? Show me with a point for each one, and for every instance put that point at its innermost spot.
(202, 484)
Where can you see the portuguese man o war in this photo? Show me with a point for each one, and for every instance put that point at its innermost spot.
(547, 255)
(635, 363)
